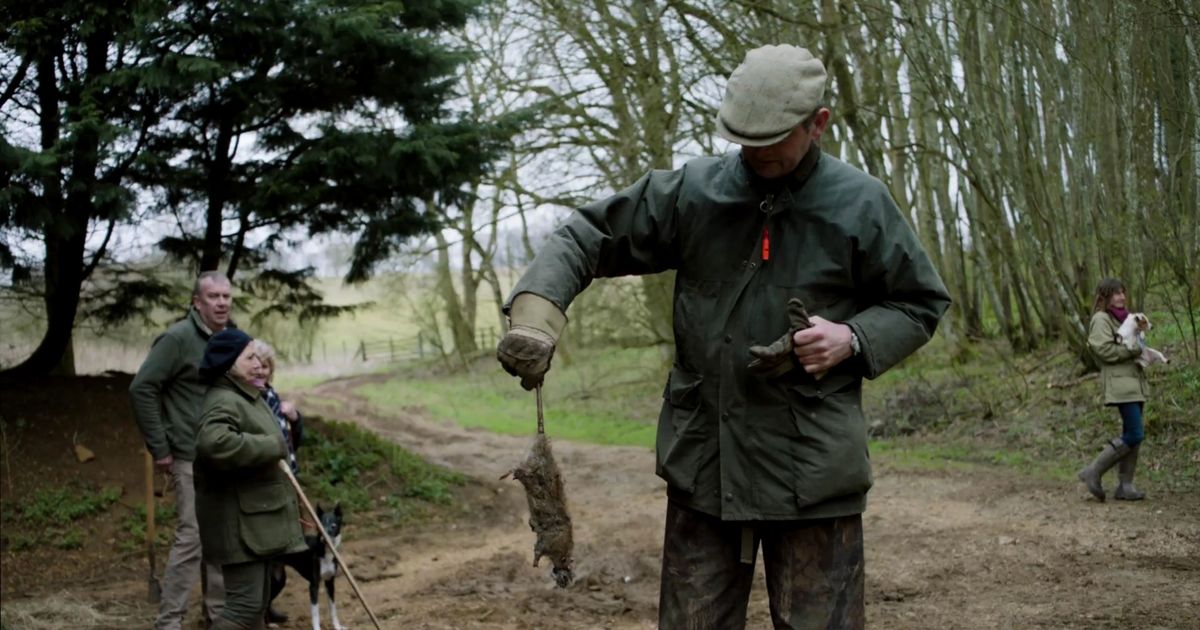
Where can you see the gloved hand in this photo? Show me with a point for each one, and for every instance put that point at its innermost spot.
(526, 352)
(779, 358)
(526, 349)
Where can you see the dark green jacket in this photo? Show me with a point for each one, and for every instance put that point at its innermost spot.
(1124, 380)
(167, 390)
(729, 443)
(245, 506)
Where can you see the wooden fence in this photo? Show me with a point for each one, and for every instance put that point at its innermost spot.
(419, 347)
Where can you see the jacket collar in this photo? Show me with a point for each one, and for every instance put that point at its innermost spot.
(248, 391)
(198, 322)
(807, 165)
(792, 182)
(201, 327)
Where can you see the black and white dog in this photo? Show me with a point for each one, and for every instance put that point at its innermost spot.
(317, 565)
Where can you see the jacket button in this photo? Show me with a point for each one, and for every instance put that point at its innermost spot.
(728, 497)
(728, 339)
(725, 416)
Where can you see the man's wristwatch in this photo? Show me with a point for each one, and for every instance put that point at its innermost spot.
(854, 343)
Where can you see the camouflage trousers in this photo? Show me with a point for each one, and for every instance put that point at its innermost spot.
(814, 571)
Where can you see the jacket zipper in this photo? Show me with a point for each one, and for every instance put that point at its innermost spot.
(767, 206)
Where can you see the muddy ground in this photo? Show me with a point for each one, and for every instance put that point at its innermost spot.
(969, 547)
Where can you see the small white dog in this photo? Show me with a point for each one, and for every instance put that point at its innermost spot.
(1132, 335)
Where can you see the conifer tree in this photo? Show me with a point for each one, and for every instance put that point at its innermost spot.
(328, 115)
(293, 117)
(74, 119)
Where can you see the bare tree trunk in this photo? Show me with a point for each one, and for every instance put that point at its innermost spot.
(218, 181)
(461, 330)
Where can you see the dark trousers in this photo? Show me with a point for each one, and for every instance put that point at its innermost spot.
(814, 571)
(1132, 432)
(247, 590)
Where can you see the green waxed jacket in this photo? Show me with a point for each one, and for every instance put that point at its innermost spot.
(167, 391)
(730, 443)
(1123, 379)
(245, 506)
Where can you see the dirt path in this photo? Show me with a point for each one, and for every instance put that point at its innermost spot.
(971, 548)
(978, 548)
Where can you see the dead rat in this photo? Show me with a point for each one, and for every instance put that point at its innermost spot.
(548, 517)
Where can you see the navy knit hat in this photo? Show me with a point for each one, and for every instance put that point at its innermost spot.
(222, 352)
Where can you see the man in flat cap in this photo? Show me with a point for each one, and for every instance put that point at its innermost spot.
(797, 277)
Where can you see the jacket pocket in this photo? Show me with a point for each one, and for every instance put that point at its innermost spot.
(831, 458)
(266, 511)
(1125, 386)
(681, 431)
(835, 381)
(694, 314)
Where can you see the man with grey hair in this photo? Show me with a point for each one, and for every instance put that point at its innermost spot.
(797, 277)
(167, 394)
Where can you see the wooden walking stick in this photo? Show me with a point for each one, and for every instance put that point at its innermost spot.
(283, 465)
(154, 588)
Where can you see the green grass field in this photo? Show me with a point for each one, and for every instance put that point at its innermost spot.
(603, 397)
(1032, 412)
(390, 303)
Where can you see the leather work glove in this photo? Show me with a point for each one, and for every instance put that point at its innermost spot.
(779, 358)
(528, 346)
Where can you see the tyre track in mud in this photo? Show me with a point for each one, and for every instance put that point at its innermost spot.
(969, 547)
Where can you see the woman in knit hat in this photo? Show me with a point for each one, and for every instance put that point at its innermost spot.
(245, 507)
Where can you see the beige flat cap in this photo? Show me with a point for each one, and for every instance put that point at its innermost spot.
(773, 90)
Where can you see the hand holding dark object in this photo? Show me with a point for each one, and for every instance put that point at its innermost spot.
(823, 345)
(526, 352)
(777, 359)
(528, 346)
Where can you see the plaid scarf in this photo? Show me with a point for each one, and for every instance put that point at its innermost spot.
(276, 405)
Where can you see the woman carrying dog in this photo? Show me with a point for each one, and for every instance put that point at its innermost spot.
(1125, 388)
(245, 506)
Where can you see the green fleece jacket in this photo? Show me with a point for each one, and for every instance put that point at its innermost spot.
(167, 390)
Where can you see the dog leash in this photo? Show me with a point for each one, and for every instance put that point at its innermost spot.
(283, 465)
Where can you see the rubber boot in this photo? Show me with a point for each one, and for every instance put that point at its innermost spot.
(1125, 469)
(1108, 457)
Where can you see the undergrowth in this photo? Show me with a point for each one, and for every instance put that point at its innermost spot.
(342, 463)
(56, 516)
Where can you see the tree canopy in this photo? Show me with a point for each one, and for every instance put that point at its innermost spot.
(293, 118)
(1034, 146)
